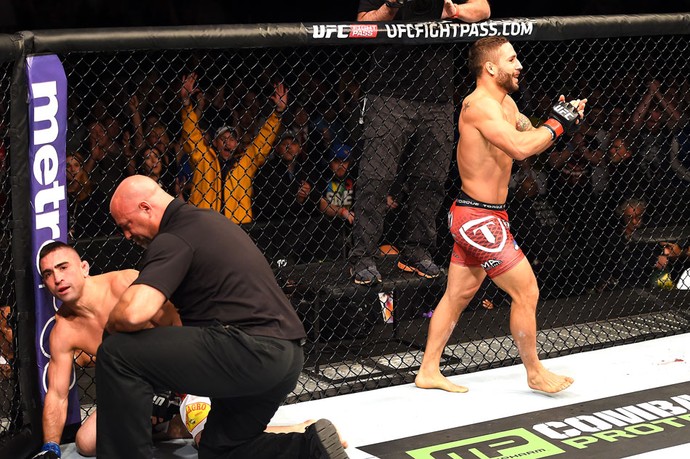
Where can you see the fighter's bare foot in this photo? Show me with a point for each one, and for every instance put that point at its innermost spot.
(437, 381)
(547, 382)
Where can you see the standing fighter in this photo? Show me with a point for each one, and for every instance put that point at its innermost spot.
(492, 134)
(240, 343)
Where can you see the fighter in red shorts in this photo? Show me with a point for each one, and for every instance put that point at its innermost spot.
(493, 133)
(482, 236)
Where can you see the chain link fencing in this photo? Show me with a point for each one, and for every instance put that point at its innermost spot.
(9, 382)
(285, 140)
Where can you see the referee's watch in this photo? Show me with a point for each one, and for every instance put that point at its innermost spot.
(393, 5)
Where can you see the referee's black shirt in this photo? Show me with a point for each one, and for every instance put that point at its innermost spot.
(212, 272)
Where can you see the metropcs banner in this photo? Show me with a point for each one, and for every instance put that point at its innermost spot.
(47, 157)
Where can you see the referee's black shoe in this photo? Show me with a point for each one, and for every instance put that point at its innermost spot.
(324, 441)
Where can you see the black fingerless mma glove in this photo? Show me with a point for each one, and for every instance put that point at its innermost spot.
(165, 405)
(564, 118)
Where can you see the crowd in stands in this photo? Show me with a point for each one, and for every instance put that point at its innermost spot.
(583, 204)
(270, 152)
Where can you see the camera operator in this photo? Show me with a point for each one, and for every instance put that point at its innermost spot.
(408, 117)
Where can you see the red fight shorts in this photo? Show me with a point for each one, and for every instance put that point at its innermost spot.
(482, 236)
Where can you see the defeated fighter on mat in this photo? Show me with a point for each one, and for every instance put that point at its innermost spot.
(79, 323)
(78, 330)
(493, 133)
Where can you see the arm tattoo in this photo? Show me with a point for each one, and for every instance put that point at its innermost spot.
(522, 123)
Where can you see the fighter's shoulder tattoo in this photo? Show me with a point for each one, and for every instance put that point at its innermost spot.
(522, 123)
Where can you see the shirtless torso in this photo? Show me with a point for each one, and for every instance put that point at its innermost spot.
(489, 126)
(79, 324)
(493, 133)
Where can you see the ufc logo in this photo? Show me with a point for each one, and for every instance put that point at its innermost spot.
(564, 111)
(328, 30)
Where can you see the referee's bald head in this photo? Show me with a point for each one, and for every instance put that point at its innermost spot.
(137, 206)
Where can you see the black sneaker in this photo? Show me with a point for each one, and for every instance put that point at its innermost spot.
(365, 275)
(323, 441)
(424, 268)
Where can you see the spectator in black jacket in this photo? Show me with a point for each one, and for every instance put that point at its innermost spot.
(281, 186)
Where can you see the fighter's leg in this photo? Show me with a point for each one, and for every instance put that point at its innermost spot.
(85, 440)
(194, 412)
(176, 429)
(520, 283)
(463, 283)
(301, 427)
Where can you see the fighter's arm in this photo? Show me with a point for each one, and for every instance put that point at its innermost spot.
(136, 309)
(59, 376)
(470, 11)
(523, 123)
(166, 316)
(487, 117)
(122, 280)
(383, 13)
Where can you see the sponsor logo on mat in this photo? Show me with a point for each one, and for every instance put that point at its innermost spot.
(613, 427)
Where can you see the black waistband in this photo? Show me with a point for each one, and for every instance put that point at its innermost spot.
(298, 341)
(465, 200)
(216, 323)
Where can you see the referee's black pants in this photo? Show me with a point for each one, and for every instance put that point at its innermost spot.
(246, 377)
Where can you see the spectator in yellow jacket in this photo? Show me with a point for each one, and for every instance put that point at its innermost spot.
(222, 172)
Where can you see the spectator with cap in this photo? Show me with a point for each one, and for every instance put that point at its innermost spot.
(284, 198)
(282, 186)
(222, 172)
(337, 194)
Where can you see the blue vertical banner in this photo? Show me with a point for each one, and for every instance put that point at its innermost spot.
(47, 158)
